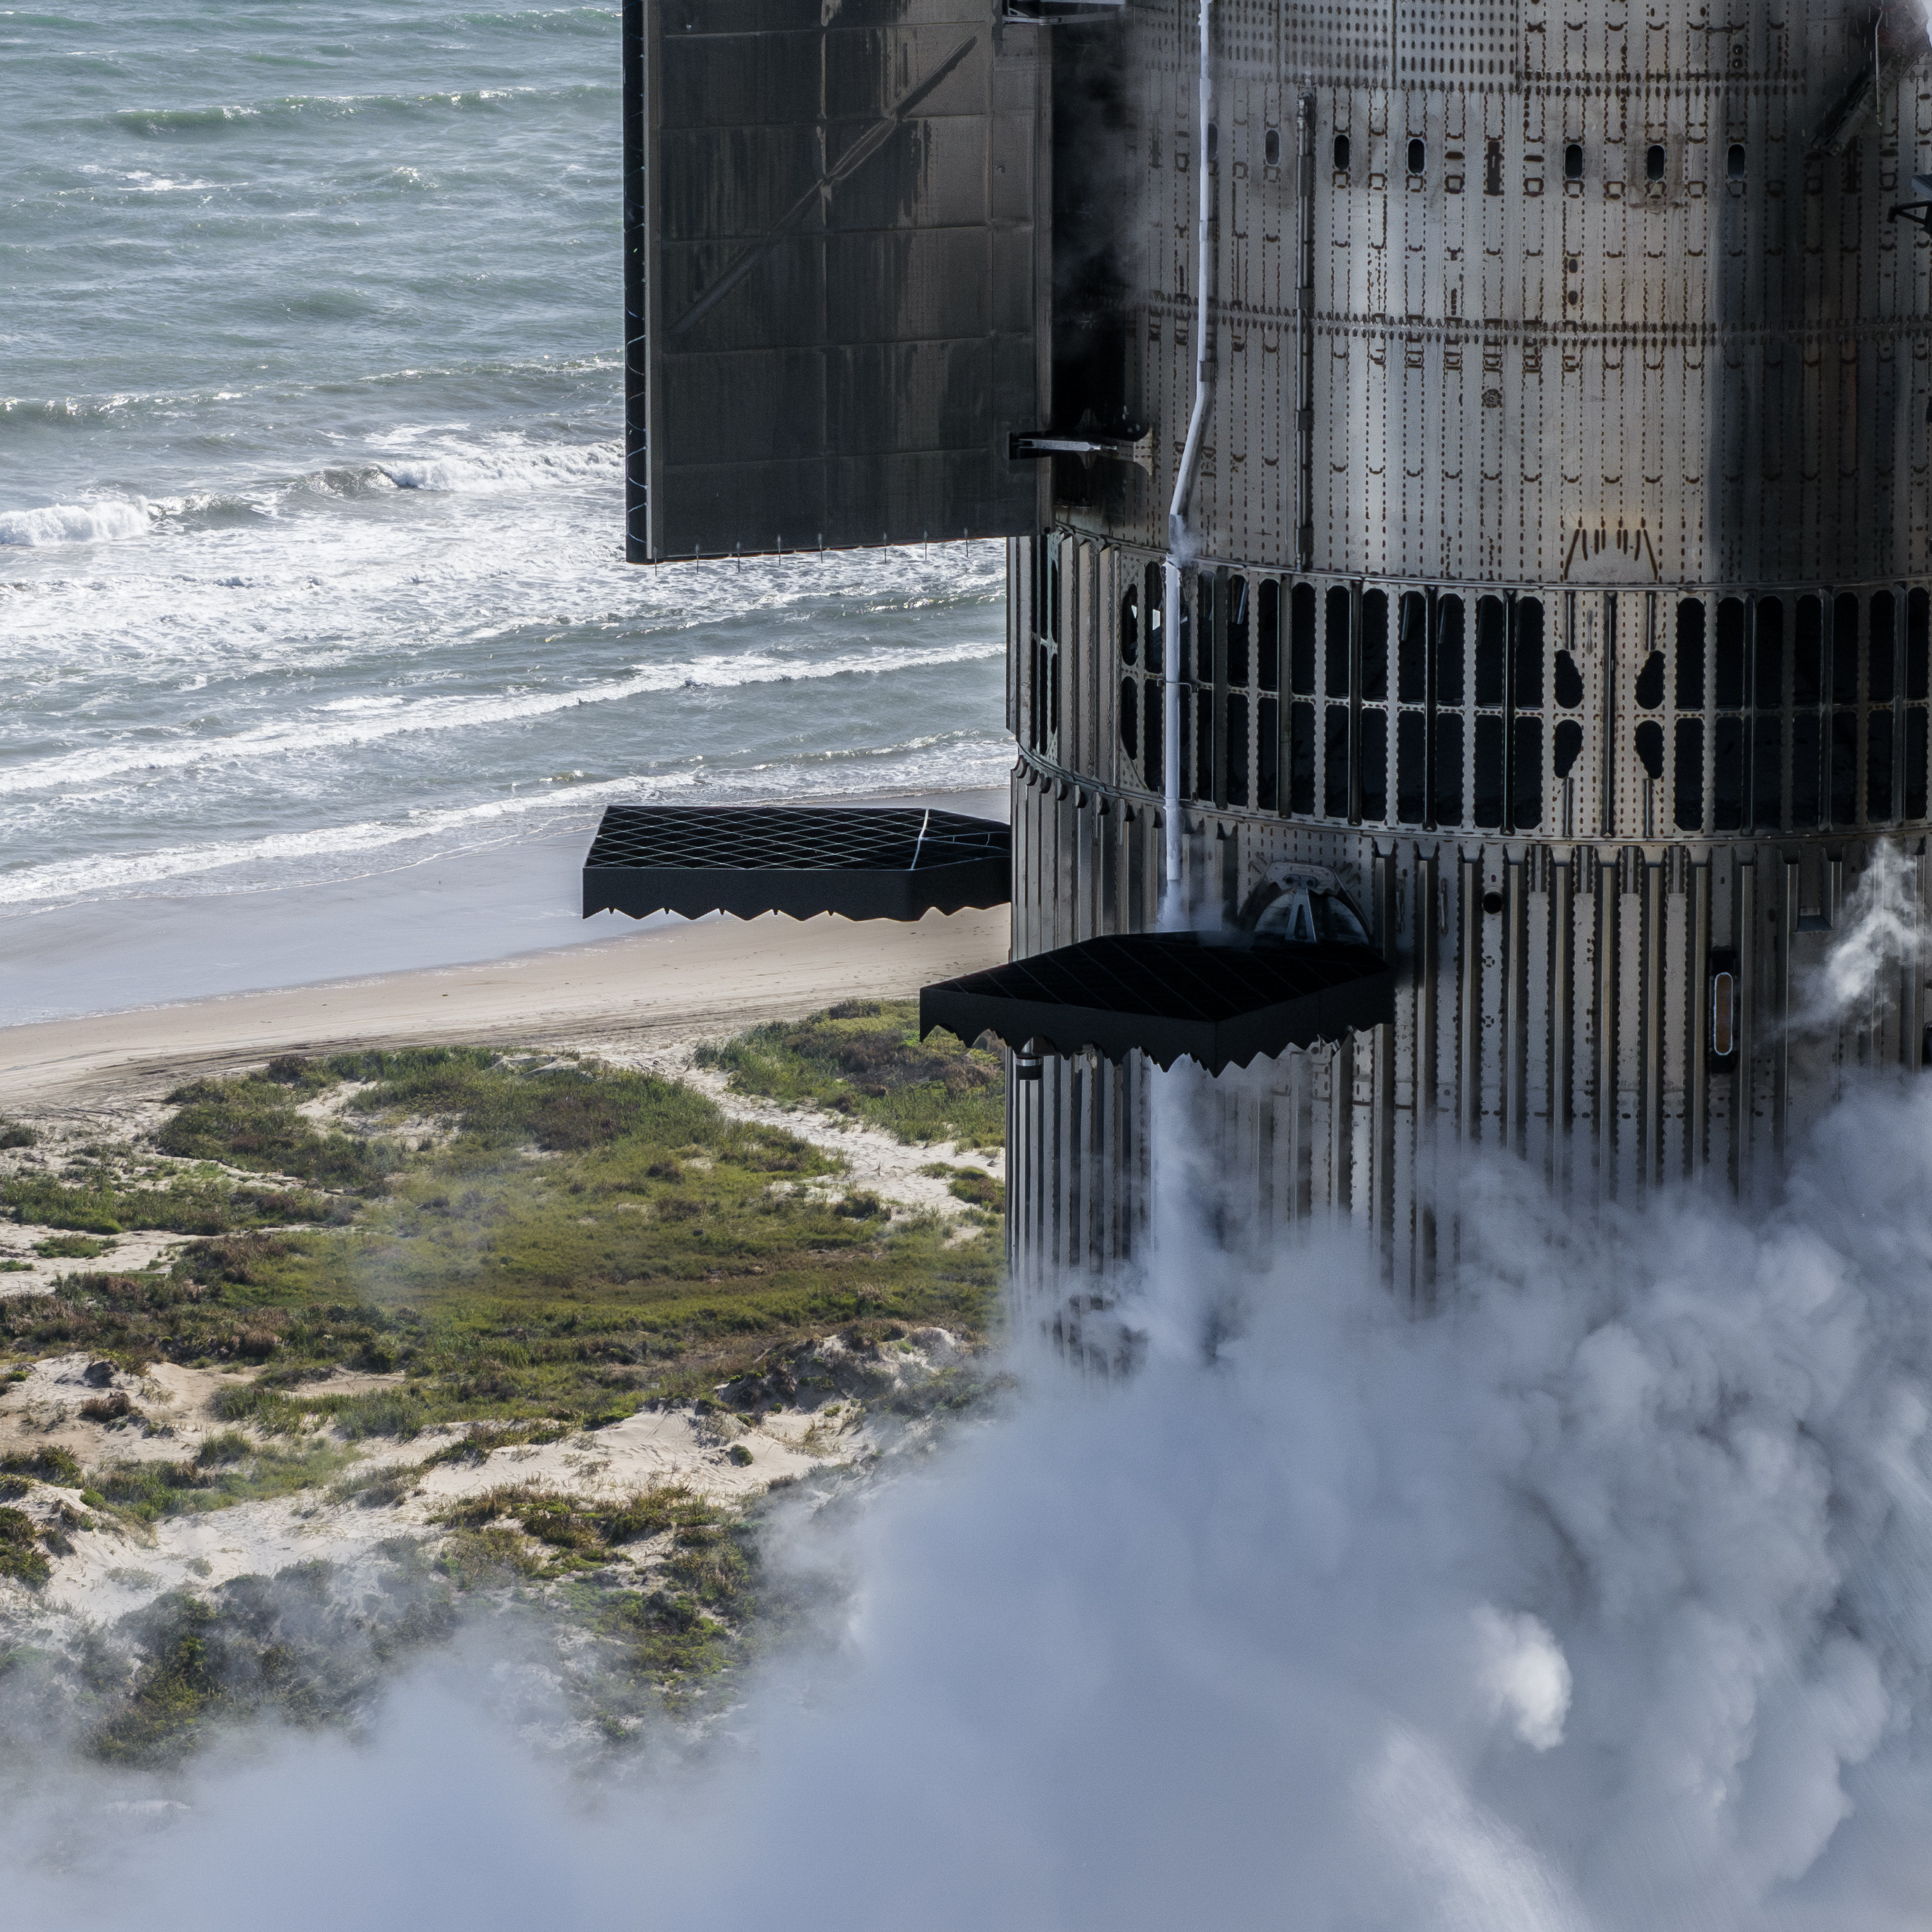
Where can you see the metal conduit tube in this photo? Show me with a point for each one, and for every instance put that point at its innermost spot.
(1173, 912)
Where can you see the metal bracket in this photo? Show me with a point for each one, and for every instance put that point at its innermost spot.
(1032, 446)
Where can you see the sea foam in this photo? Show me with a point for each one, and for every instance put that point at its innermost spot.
(106, 522)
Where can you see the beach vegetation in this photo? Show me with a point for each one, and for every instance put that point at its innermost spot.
(21, 1557)
(104, 1200)
(46, 1464)
(975, 1185)
(295, 1644)
(15, 1134)
(539, 1245)
(864, 1058)
(251, 1121)
(72, 1247)
(227, 1469)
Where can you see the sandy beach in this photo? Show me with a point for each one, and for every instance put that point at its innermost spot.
(656, 987)
(642, 1000)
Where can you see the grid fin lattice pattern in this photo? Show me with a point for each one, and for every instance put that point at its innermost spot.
(1218, 998)
(899, 863)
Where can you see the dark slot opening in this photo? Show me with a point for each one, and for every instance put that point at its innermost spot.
(1650, 682)
(1690, 654)
(1492, 167)
(1727, 774)
(1879, 666)
(1301, 760)
(1734, 161)
(1411, 657)
(1844, 767)
(1807, 652)
(1418, 157)
(1572, 161)
(1488, 773)
(1053, 690)
(1375, 765)
(1301, 643)
(1130, 629)
(1237, 630)
(1335, 644)
(1267, 753)
(1130, 717)
(1491, 637)
(1342, 152)
(1237, 750)
(1568, 682)
(1915, 764)
(1203, 742)
(1845, 649)
(1271, 148)
(1878, 767)
(1767, 771)
(1446, 806)
(1688, 778)
(1449, 654)
(1654, 160)
(1375, 645)
(1526, 774)
(1213, 142)
(1567, 747)
(1770, 654)
(1649, 743)
(1805, 759)
(1155, 626)
(1335, 770)
(1411, 767)
(1729, 681)
(1526, 664)
(1268, 635)
(1918, 638)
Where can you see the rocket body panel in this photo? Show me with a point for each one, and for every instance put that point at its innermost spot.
(1556, 567)
(1560, 579)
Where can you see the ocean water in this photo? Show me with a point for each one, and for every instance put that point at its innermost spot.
(312, 602)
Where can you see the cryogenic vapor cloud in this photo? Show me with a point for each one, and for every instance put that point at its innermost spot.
(1596, 1602)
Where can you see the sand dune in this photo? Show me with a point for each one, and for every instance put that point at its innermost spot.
(643, 989)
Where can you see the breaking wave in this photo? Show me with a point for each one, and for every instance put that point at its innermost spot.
(108, 522)
(525, 468)
(375, 718)
(962, 761)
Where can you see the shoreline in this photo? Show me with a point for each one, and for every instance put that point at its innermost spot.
(95, 958)
(660, 986)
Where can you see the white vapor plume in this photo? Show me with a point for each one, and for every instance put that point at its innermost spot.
(1879, 929)
(1524, 1675)
(1599, 1601)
